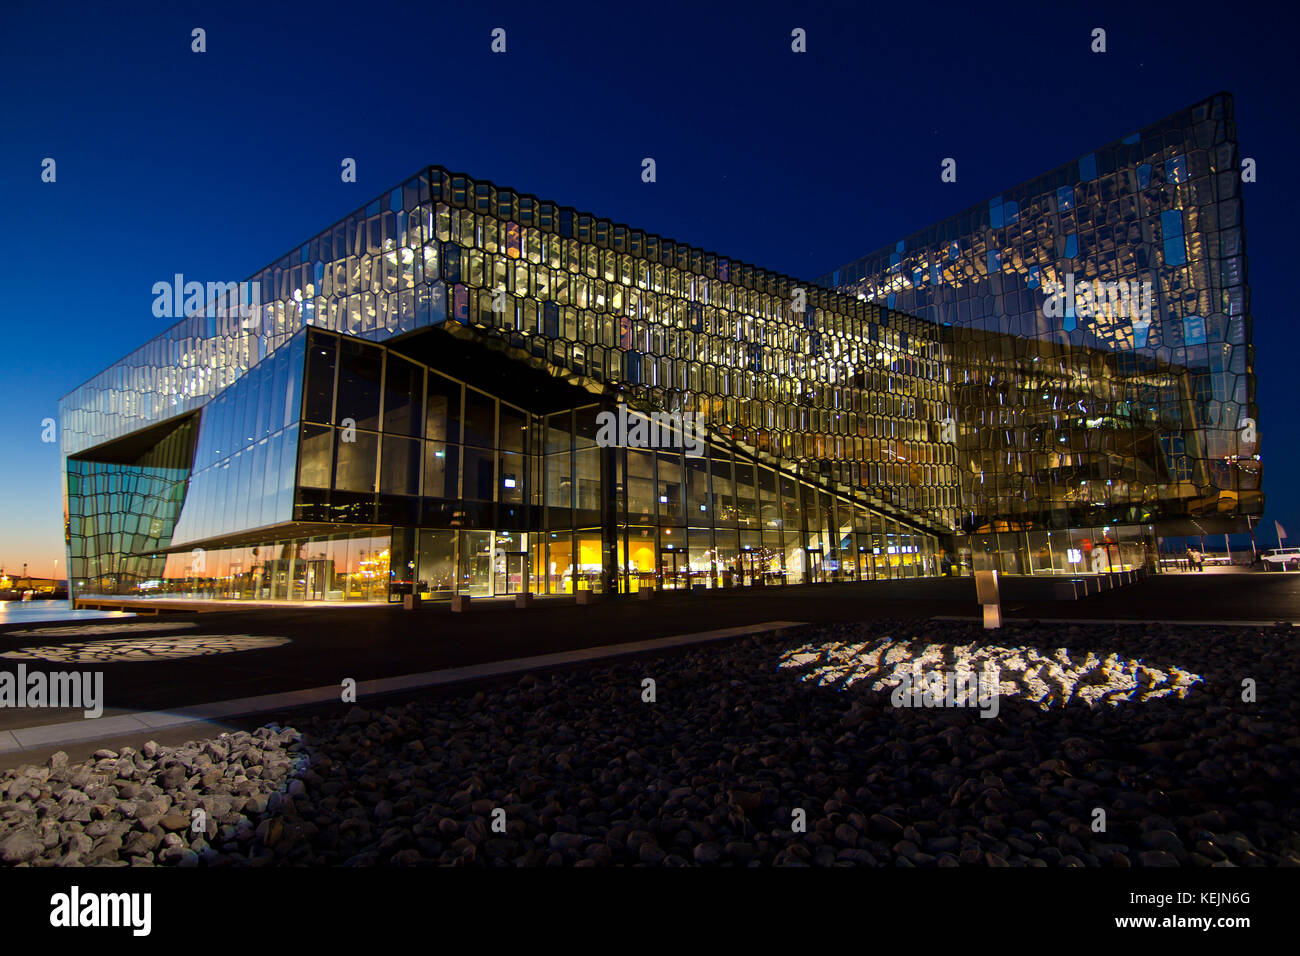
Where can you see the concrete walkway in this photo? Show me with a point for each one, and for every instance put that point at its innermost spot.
(172, 664)
(44, 737)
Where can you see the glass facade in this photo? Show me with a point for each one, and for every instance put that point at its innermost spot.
(411, 481)
(424, 377)
(243, 470)
(1099, 326)
(344, 566)
(121, 510)
(830, 391)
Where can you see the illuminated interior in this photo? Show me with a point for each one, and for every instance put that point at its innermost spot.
(408, 406)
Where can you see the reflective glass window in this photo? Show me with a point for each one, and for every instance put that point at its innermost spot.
(354, 465)
(480, 419)
(360, 368)
(441, 470)
(399, 469)
(316, 462)
(319, 406)
(442, 409)
(403, 397)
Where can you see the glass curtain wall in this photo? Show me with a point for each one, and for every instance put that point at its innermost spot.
(347, 567)
(122, 515)
(1067, 551)
(724, 520)
(244, 462)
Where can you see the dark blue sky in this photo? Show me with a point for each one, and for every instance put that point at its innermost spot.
(214, 164)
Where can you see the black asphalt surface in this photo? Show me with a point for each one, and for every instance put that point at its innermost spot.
(326, 646)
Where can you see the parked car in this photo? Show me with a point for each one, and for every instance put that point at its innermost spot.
(1280, 559)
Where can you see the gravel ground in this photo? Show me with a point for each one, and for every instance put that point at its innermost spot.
(1145, 723)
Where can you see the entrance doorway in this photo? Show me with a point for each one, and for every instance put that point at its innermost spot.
(816, 566)
(674, 571)
(317, 575)
(476, 563)
(510, 577)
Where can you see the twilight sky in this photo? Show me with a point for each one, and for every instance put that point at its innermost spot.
(214, 164)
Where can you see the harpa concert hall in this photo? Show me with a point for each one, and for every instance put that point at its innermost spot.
(416, 400)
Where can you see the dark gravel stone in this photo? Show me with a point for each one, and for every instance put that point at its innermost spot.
(1139, 720)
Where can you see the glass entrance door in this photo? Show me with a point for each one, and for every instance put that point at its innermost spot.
(317, 579)
(816, 567)
(476, 563)
(864, 567)
(510, 577)
(674, 571)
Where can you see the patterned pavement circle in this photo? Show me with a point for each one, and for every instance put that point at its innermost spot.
(1045, 679)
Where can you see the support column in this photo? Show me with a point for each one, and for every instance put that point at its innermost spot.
(610, 506)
